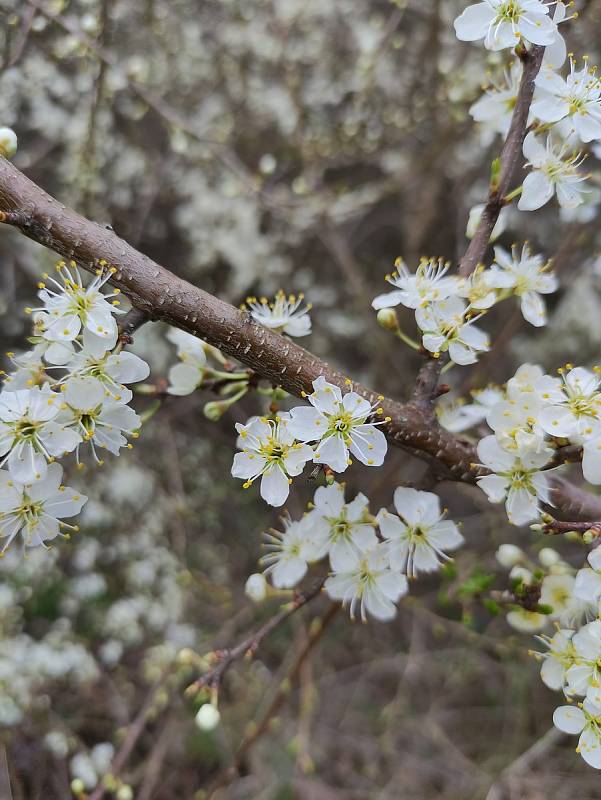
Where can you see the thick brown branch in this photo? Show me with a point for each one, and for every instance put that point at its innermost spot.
(161, 295)
(510, 156)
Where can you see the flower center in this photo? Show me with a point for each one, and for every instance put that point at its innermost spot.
(509, 11)
(26, 429)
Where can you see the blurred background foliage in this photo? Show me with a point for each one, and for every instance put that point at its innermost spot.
(250, 145)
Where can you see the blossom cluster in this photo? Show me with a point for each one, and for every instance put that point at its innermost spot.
(566, 110)
(66, 395)
(370, 557)
(447, 306)
(572, 655)
(531, 419)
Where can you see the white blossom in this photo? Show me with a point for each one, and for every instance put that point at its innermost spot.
(503, 23)
(482, 287)
(368, 582)
(576, 98)
(111, 370)
(517, 479)
(553, 172)
(283, 314)
(428, 284)
(584, 676)
(96, 416)
(289, 552)
(186, 376)
(586, 721)
(418, 536)
(445, 327)
(71, 306)
(271, 453)
(340, 529)
(338, 424)
(494, 110)
(557, 659)
(30, 436)
(557, 591)
(528, 276)
(574, 408)
(36, 510)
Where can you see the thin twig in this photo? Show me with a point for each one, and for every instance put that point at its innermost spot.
(258, 729)
(510, 156)
(248, 646)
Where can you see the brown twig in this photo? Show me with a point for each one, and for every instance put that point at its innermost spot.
(248, 646)
(134, 732)
(556, 526)
(510, 156)
(161, 295)
(258, 729)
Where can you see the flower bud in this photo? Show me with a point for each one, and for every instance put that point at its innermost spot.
(125, 793)
(208, 717)
(508, 555)
(548, 557)
(387, 319)
(8, 142)
(77, 786)
(256, 587)
(474, 220)
(521, 574)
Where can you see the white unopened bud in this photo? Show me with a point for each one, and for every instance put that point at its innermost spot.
(548, 557)
(8, 142)
(256, 587)
(267, 164)
(508, 555)
(125, 793)
(208, 717)
(77, 786)
(474, 220)
(387, 319)
(522, 574)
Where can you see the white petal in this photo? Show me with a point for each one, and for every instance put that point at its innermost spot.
(569, 719)
(537, 190)
(274, 486)
(333, 452)
(474, 22)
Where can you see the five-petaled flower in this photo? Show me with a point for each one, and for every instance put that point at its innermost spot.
(72, 306)
(554, 171)
(283, 314)
(36, 510)
(517, 479)
(30, 435)
(576, 98)
(503, 23)
(340, 529)
(429, 284)
(368, 582)
(528, 276)
(339, 424)
(271, 453)
(418, 539)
